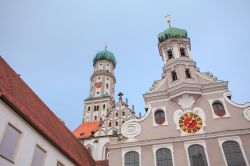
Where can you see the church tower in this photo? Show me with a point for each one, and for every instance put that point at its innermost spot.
(175, 50)
(101, 95)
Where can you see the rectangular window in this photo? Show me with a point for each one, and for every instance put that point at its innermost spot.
(170, 54)
(9, 142)
(174, 75)
(38, 157)
(188, 74)
(182, 52)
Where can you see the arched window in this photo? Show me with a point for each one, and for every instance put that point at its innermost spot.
(131, 159)
(88, 108)
(174, 75)
(170, 54)
(110, 124)
(107, 86)
(159, 116)
(116, 114)
(95, 117)
(116, 123)
(95, 108)
(219, 108)
(123, 113)
(164, 157)
(103, 106)
(197, 155)
(233, 154)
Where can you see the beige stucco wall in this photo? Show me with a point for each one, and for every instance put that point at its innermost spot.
(28, 141)
(212, 125)
(115, 157)
(245, 139)
(214, 152)
(215, 130)
(180, 156)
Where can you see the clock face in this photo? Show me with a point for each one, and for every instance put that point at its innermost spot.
(190, 122)
(98, 84)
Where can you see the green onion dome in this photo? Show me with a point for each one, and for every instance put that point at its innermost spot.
(104, 55)
(172, 32)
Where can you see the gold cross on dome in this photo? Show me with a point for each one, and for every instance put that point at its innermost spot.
(168, 19)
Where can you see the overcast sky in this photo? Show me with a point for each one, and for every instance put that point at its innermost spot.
(51, 43)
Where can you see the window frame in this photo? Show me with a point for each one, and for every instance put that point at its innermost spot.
(165, 113)
(58, 163)
(222, 101)
(236, 139)
(160, 146)
(198, 142)
(9, 124)
(125, 150)
(161, 119)
(45, 155)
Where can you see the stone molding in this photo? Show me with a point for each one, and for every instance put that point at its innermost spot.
(199, 142)
(167, 146)
(126, 150)
(228, 133)
(236, 139)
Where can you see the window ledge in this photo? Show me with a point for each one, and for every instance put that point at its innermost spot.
(7, 159)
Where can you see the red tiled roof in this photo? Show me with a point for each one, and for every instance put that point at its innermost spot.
(85, 129)
(102, 163)
(17, 94)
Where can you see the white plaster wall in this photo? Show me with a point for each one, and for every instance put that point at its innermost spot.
(28, 141)
(97, 148)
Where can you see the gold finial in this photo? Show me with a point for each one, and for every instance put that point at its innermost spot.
(168, 18)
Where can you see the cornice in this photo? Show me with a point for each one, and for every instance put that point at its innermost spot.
(103, 72)
(98, 99)
(180, 61)
(227, 133)
(184, 87)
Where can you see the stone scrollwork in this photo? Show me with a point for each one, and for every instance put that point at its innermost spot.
(186, 102)
(131, 129)
(246, 114)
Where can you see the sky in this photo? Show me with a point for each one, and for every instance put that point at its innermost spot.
(52, 43)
